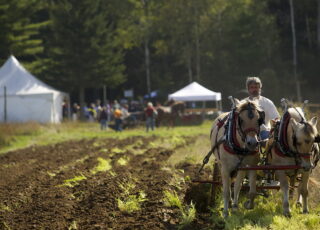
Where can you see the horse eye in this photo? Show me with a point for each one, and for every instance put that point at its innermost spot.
(298, 143)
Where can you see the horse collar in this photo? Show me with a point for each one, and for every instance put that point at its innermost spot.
(282, 147)
(232, 145)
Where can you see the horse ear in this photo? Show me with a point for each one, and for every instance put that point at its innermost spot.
(314, 121)
(236, 101)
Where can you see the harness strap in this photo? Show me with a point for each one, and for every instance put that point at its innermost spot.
(231, 150)
(207, 157)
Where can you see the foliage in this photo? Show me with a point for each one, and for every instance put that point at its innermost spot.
(21, 27)
(268, 215)
(24, 135)
(74, 181)
(131, 203)
(187, 212)
(103, 165)
(188, 216)
(172, 199)
(80, 44)
(91, 55)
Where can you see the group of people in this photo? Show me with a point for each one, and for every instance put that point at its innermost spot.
(114, 111)
(119, 113)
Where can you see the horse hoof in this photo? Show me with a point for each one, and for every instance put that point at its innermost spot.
(225, 214)
(305, 212)
(298, 205)
(235, 208)
(287, 214)
(248, 205)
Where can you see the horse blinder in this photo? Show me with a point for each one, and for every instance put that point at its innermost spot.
(317, 139)
(262, 116)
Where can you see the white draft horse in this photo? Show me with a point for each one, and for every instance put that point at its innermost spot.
(235, 142)
(293, 143)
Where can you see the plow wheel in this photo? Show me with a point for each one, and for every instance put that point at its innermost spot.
(215, 186)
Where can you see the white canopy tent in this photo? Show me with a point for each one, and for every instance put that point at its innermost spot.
(196, 92)
(25, 98)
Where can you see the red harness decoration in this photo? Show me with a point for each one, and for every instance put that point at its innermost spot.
(234, 138)
(284, 139)
(278, 152)
(230, 150)
(284, 135)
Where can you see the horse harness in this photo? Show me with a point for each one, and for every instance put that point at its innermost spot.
(281, 145)
(229, 140)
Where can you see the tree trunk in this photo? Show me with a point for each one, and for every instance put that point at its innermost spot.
(318, 26)
(146, 46)
(190, 67)
(198, 67)
(309, 36)
(82, 102)
(147, 60)
(294, 49)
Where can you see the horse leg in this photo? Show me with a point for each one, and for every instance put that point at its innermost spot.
(284, 185)
(292, 184)
(253, 189)
(226, 182)
(237, 187)
(304, 191)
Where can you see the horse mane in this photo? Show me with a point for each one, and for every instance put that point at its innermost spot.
(296, 114)
(243, 105)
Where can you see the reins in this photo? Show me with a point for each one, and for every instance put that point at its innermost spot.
(230, 142)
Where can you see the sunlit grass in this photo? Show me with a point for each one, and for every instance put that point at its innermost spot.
(131, 203)
(122, 161)
(187, 212)
(171, 199)
(74, 181)
(268, 215)
(15, 136)
(73, 226)
(188, 215)
(103, 166)
(4, 208)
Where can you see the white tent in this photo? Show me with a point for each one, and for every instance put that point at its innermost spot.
(195, 92)
(25, 98)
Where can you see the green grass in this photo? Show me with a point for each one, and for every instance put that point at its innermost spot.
(103, 165)
(187, 212)
(74, 181)
(172, 199)
(268, 215)
(131, 203)
(16, 136)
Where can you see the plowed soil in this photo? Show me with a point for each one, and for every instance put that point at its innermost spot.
(34, 193)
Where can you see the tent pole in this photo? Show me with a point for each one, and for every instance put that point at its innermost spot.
(5, 104)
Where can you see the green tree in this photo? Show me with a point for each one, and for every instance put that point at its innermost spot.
(84, 46)
(20, 27)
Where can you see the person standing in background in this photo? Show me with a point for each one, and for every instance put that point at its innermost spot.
(150, 114)
(103, 118)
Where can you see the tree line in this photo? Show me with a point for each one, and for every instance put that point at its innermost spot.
(148, 45)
